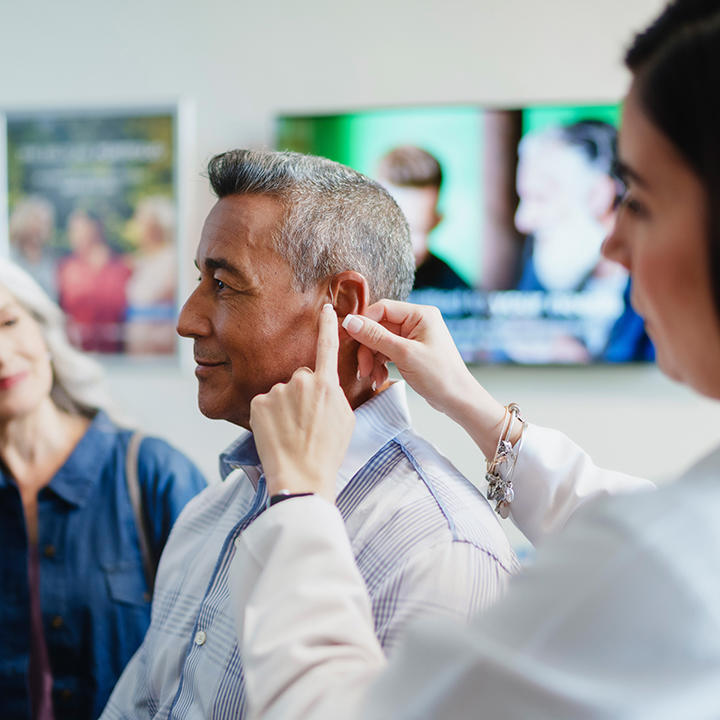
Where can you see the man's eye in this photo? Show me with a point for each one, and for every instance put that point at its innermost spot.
(219, 284)
(9, 322)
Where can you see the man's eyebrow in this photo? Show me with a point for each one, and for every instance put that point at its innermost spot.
(212, 264)
(625, 172)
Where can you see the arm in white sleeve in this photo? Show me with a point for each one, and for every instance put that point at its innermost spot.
(553, 477)
(585, 632)
(304, 622)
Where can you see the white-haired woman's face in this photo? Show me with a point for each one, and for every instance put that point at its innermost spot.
(25, 368)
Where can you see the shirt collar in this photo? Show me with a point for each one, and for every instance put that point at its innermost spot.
(79, 474)
(377, 421)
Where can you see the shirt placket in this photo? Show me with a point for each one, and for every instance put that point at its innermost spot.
(207, 636)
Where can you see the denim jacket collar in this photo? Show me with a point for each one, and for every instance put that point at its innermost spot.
(72, 482)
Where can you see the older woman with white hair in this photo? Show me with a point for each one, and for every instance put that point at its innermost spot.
(85, 509)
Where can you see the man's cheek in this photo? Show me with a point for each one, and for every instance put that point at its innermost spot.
(296, 343)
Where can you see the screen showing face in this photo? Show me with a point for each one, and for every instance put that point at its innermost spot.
(507, 209)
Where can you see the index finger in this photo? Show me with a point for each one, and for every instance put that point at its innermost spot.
(326, 359)
(391, 313)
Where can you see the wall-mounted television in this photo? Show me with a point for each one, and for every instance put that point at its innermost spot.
(507, 209)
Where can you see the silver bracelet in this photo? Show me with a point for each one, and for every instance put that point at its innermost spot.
(500, 490)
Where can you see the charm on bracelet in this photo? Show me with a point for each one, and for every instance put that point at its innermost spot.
(500, 489)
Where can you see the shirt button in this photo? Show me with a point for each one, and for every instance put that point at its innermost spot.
(200, 637)
(49, 551)
(57, 622)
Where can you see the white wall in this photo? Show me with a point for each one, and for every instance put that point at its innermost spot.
(239, 63)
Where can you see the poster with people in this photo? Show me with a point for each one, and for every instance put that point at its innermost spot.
(92, 217)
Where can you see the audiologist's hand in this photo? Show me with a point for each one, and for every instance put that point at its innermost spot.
(417, 340)
(302, 428)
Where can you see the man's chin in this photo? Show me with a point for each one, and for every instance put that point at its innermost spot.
(215, 412)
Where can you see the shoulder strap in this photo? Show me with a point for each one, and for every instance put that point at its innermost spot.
(133, 486)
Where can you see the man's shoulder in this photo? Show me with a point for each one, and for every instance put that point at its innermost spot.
(410, 487)
(438, 474)
(217, 502)
(428, 460)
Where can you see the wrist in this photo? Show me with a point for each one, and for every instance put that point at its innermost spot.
(284, 486)
(457, 388)
(295, 484)
(278, 482)
(479, 414)
(284, 495)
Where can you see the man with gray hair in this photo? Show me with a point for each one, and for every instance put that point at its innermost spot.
(288, 234)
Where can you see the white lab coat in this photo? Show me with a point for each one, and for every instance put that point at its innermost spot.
(618, 617)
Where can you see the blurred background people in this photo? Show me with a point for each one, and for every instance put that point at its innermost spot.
(152, 288)
(568, 194)
(75, 597)
(92, 284)
(32, 226)
(413, 177)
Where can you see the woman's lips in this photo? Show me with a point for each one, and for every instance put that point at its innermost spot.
(9, 380)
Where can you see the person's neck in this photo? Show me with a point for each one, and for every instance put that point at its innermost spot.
(98, 255)
(421, 256)
(34, 446)
(33, 253)
(359, 395)
(356, 391)
(564, 257)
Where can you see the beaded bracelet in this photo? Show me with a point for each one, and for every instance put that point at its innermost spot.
(500, 490)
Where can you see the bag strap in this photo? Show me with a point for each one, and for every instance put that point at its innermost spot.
(133, 486)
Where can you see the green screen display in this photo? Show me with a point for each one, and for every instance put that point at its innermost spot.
(526, 197)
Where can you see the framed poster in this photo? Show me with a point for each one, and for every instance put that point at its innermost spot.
(92, 216)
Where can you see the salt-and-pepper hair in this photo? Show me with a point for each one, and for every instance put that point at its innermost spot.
(335, 218)
(78, 381)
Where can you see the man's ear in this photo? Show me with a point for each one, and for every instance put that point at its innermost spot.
(350, 293)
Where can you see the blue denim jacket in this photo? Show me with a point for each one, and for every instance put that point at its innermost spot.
(93, 594)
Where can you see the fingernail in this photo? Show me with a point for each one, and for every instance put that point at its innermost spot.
(357, 374)
(327, 305)
(374, 386)
(352, 323)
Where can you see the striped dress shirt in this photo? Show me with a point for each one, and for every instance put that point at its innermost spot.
(426, 542)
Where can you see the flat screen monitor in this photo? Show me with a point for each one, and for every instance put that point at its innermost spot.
(507, 209)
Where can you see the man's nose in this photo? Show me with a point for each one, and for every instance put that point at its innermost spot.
(193, 321)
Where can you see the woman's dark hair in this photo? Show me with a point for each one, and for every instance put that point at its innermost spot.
(676, 64)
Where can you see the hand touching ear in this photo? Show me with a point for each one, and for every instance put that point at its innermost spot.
(416, 339)
(302, 428)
